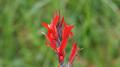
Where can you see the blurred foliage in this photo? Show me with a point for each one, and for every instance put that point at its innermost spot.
(96, 30)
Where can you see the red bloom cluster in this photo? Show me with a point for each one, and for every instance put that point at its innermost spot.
(57, 35)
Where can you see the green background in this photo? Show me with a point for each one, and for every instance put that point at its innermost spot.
(96, 31)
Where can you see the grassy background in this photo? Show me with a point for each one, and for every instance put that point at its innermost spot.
(97, 31)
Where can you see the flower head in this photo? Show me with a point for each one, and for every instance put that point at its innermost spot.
(57, 36)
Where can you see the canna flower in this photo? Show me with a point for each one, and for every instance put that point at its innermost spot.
(57, 37)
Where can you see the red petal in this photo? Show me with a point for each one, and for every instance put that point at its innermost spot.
(52, 34)
(53, 45)
(49, 35)
(62, 21)
(54, 31)
(73, 53)
(66, 32)
(63, 45)
(45, 25)
(55, 21)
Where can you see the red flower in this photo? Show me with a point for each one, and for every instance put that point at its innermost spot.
(57, 35)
